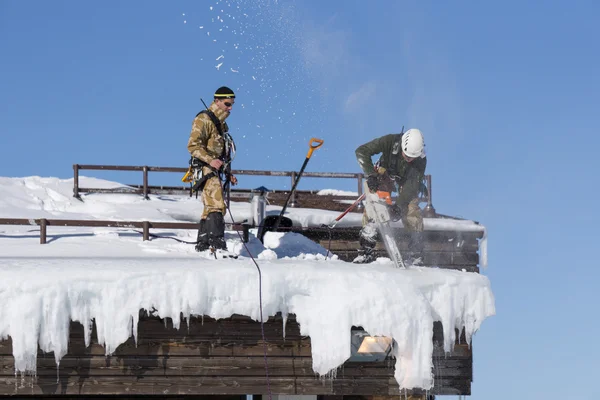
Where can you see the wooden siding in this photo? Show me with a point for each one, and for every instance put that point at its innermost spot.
(211, 357)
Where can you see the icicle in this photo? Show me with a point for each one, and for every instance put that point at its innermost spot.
(87, 331)
(285, 316)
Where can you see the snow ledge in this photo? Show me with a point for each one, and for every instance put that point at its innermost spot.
(328, 297)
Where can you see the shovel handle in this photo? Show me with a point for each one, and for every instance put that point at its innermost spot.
(313, 144)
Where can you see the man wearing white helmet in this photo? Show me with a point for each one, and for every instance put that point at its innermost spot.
(401, 168)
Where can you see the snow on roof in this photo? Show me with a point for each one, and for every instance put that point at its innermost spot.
(109, 274)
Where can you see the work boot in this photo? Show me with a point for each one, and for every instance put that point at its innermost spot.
(215, 228)
(365, 256)
(367, 240)
(202, 240)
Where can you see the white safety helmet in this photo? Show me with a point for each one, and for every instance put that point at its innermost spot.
(413, 143)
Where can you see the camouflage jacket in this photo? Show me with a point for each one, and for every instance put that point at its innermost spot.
(205, 142)
(407, 175)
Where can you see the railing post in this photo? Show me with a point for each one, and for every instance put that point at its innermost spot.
(360, 176)
(76, 181)
(43, 224)
(360, 184)
(429, 210)
(293, 198)
(146, 183)
(146, 230)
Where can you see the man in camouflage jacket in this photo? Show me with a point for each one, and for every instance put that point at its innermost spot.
(207, 145)
(401, 168)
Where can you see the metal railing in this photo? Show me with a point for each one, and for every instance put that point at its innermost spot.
(145, 189)
(145, 226)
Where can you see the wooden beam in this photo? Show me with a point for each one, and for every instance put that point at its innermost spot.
(190, 385)
(146, 366)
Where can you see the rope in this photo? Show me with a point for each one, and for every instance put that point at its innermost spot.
(165, 237)
(262, 323)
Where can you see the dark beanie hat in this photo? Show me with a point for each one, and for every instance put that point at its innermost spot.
(224, 93)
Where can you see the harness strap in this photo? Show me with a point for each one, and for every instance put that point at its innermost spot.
(200, 183)
(196, 162)
(214, 120)
(394, 160)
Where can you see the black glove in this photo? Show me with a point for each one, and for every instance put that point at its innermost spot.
(373, 182)
(395, 212)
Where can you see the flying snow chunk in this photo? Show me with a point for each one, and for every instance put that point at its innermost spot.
(218, 66)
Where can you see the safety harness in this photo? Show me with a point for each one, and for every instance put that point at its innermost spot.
(194, 173)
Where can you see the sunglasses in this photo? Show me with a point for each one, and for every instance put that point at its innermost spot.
(227, 104)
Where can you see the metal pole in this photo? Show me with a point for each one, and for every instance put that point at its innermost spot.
(429, 210)
(146, 229)
(146, 183)
(360, 177)
(293, 199)
(43, 223)
(76, 181)
(360, 184)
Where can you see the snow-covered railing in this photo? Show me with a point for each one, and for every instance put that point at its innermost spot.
(145, 189)
(145, 226)
(146, 169)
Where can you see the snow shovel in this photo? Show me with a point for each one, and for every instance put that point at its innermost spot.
(271, 223)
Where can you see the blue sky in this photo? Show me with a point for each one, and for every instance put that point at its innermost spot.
(506, 93)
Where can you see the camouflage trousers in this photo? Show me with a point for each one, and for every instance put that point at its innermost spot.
(412, 219)
(212, 195)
